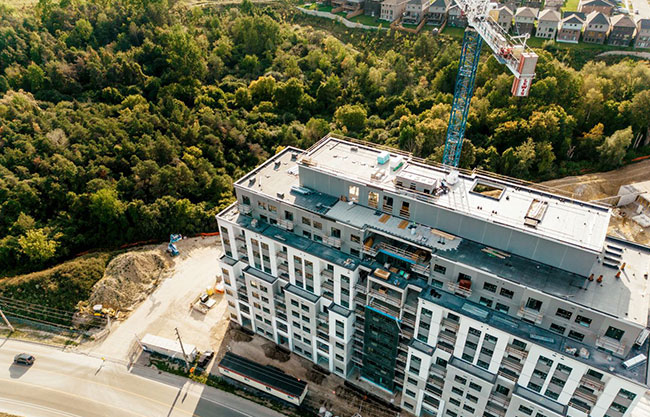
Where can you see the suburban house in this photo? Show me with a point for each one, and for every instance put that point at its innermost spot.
(535, 4)
(347, 5)
(503, 16)
(642, 34)
(554, 4)
(525, 20)
(547, 23)
(372, 8)
(622, 30)
(596, 28)
(415, 11)
(438, 12)
(570, 28)
(603, 6)
(455, 18)
(392, 9)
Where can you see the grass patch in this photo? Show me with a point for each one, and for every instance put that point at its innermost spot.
(365, 20)
(454, 32)
(570, 5)
(61, 286)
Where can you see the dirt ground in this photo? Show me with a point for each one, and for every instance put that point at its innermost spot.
(168, 307)
(599, 186)
(325, 389)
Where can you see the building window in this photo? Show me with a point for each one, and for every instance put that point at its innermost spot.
(306, 221)
(336, 233)
(583, 321)
(409, 393)
(475, 387)
(439, 269)
(506, 293)
(460, 380)
(533, 304)
(576, 335)
(485, 302)
(557, 328)
(502, 308)
(489, 287)
(355, 239)
(614, 333)
(353, 193)
(565, 314)
(525, 410)
(373, 199)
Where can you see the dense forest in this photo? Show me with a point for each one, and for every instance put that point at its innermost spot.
(128, 120)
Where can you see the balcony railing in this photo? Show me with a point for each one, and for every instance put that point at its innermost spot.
(436, 381)
(327, 274)
(450, 324)
(420, 269)
(447, 336)
(612, 345)
(411, 308)
(397, 302)
(332, 241)
(579, 406)
(508, 374)
(499, 399)
(328, 285)
(512, 364)
(245, 208)
(240, 238)
(459, 290)
(592, 382)
(282, 255)
(495, 409)
(530, 315)
(449, 348)
(283, 268)
(359, 326)
(285, 224)
(516, 351)
(585, 395)
(361, 288)
(438, 370)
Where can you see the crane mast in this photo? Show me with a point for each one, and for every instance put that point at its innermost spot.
(510, 51)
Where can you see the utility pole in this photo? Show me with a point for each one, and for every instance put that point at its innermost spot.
(178, 336)
(6, 320)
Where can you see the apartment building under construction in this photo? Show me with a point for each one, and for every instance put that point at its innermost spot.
(453, 293)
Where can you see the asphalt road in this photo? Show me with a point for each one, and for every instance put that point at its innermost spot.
(69, 384)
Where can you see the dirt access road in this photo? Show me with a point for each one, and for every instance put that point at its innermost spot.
(601, 185)
(168, 307)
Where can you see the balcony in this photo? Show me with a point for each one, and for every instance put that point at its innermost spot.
(591, 382)
(281, 255)
(327, 285)
(458, 289)
(327, 274)
(332, 241)
(282, 268)
(245, 208)
(406, 319)
(530, 315)
(585, 395)
(436, 381)
(420, 269)
(323, 336)
(438, 370)
(322, 317)
(512, 364)
(495, 409)
(450, 324)
(449, 348)
(384, 296)
(359, 326)
(240, 238)
(580, 406)
(280, 306)
(447, 336)
(323, 327)
(411, 308)
(285, 224)
(611, 345)
(499, 399)
(516, 351)
(361, 288)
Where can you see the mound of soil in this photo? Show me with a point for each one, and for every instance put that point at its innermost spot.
(239, 336)
(315, 376)
(271, 351)
(128, 279)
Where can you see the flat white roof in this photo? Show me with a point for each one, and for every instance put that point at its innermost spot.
(564, 219)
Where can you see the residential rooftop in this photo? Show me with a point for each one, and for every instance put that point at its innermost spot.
(567, 220)
(597, 358)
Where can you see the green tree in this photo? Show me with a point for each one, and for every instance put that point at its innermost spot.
(315, 129)
(37, 245)
(34, 77)
(613, 149)
(351, 117)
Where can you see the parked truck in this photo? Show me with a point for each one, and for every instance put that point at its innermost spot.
(167, 347)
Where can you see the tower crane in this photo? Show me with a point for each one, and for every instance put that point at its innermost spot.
(510, 51)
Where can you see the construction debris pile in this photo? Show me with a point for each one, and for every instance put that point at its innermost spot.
(128, 279)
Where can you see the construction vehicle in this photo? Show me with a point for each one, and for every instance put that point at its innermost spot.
(510, 51)
(172, 250)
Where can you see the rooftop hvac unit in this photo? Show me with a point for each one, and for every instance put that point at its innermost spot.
(635, 361)
(643, 336)
(383, 157)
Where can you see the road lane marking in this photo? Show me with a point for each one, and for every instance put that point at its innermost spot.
(25, 404)
(77, 396)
